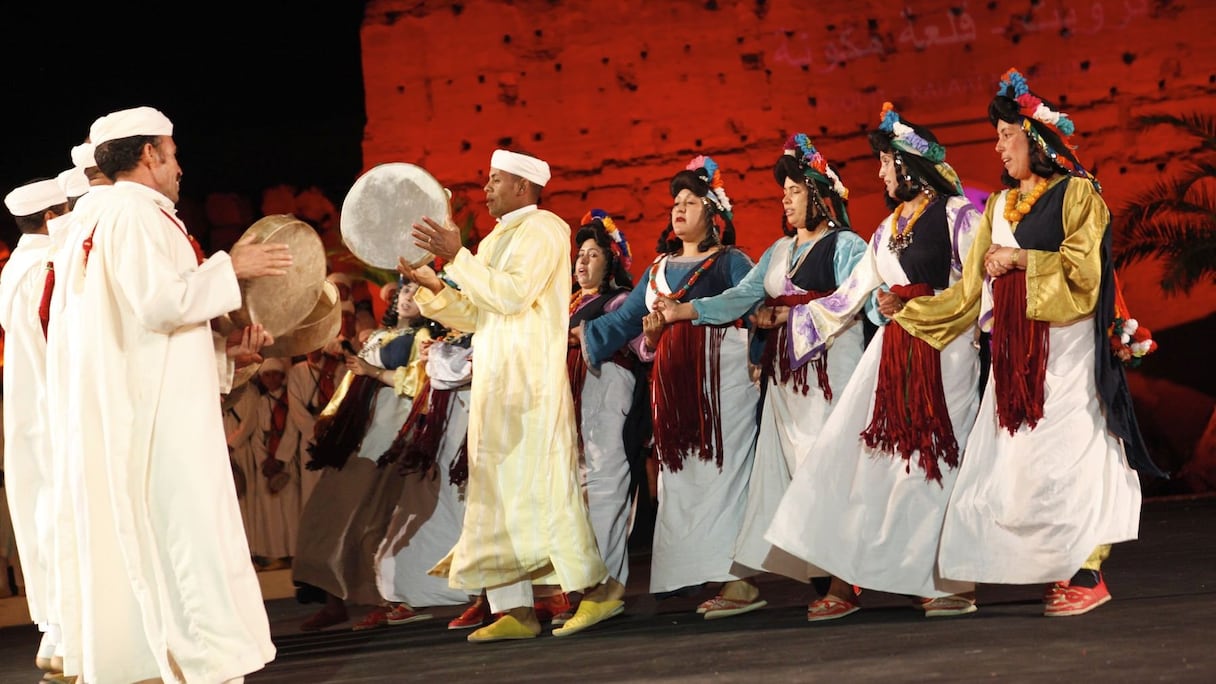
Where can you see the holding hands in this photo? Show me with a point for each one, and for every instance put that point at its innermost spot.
(889, 303)
(1000, 260)
(652, 328)
(768, 317)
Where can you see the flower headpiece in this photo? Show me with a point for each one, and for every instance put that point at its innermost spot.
(620, 246)
(1013, 85)
(708, 170)
(905, 139)
(813, 164)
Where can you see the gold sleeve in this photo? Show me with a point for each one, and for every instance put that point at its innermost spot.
(408, 379)
(1062, 287)
(941, 318)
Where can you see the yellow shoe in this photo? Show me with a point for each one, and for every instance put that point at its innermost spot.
(590, 613)
(506, 627)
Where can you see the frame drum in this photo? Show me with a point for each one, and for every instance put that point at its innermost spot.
(280, 303)
(379, 213)
(320, 327)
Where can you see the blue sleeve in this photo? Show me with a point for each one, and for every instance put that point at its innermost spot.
(735, 303)
(603, 336)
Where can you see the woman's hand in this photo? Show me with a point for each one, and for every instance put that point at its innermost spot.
(768, 317)
(652, 328)
(358, 366)
(889, 303)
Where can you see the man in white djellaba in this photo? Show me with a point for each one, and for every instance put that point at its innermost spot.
(167, 588)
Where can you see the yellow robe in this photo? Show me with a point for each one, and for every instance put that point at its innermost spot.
(526, 517)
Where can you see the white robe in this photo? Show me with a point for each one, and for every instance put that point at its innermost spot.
(1031, 507)
(244, 438)
(857, 512)
(276, 515)
(28, 468)
(426, 523)
(164, 561)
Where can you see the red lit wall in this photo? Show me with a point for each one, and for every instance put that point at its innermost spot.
(618, 96)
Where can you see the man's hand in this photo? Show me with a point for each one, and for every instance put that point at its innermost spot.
(442, 241)
(251, 260)
(245, 344)
(423, 275)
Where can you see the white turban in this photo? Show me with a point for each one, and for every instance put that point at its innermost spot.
(521, 165)
(129, 122)
(35, 197)
(273, 364)
(73, 181)
(82, 156)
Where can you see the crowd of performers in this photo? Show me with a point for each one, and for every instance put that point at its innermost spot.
(933, 409)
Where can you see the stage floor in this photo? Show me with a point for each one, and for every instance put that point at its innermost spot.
(1159, 627)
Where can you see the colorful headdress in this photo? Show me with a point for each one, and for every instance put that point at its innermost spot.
(1013, 85)
(905, 139)
(620, 246)
(708, 170)
(813, 164)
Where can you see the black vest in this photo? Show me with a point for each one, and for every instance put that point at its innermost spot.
(927, 258)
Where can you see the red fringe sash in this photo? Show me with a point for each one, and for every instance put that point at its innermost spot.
(910, 413)
(44, 305)
(1019, 354)
(686, 409)
(576, 369)
(775, 359)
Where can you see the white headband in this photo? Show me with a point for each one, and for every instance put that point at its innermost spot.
(73, 181)
(35, 197)
(521, 165)
(82, 156)
(273, 364)
(129, 122)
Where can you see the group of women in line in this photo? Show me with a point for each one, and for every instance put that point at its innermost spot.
(875, 447)
(887, 459)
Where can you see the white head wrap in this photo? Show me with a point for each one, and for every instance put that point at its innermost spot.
(129, 122)
(82, 156)
(32, 198)
(273, 364)
(521, 165)
(73, 181)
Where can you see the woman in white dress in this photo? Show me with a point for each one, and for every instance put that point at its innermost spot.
(867, 503)
(816, 254)
(704, 401)
(1049, 477)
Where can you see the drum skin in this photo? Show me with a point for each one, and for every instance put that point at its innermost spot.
(315, 331)
(381, 208)
(280, 303)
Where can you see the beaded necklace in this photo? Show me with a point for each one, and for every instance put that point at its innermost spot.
(1016, 209)
(581, 297)
(900, 239)
(696, 275)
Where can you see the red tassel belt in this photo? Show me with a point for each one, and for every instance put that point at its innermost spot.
(686, 394)
(775, 359)
(1019, 354)
(910, 414)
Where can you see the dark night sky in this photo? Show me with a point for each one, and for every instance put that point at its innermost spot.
(260, 93)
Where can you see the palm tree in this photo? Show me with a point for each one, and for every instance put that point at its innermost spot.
(1175, 219)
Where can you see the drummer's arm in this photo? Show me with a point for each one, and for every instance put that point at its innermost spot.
(449, 306)
(513, 286)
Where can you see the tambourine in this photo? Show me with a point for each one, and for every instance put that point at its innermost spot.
(315, 331)
(280, 303)
(379, 213)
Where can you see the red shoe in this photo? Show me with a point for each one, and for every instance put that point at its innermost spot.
(322, 619)
(828, 608)
(402, 614)
(1074, 600)
(1053, 590)
(378, 617)
(473, 616)
(547, 607)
